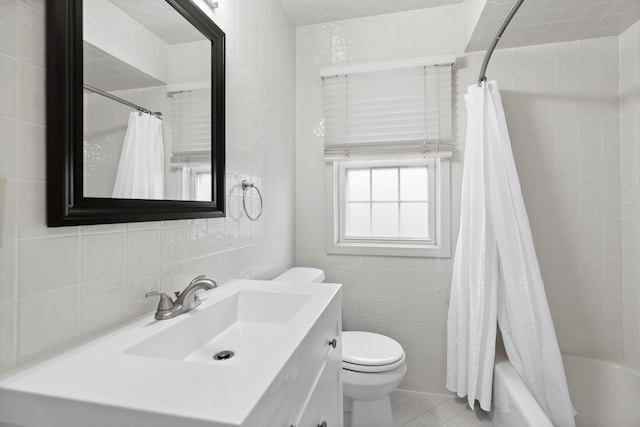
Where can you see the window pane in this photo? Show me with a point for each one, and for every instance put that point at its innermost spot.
(385, 184)
(358, 184)
(414, 184)
(385, 219)
(358, 219)
(203, 186)
(414, 218)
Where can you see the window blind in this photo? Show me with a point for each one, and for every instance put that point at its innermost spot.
(397, 113)
(191, 133)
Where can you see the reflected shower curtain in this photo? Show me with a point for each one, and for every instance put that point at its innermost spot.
(496, 274)
(141, 168)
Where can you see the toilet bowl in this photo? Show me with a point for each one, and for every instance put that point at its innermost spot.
(373, 365)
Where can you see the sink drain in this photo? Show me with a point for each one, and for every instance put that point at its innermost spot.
(223, 355)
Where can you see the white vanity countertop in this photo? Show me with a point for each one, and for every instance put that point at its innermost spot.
(102, 384)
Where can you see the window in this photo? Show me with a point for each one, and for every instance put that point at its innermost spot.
(392, 208)
(191, 142)
(196, 183)
(388, 149)
(203, 186)
(387, 202)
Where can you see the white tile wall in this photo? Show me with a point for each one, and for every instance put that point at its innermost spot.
(562, 106)
(405, 298)
(574, 142)
(59, 285)
(630, 188)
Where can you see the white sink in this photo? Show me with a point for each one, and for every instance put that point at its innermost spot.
(243, 323)
(162, 373)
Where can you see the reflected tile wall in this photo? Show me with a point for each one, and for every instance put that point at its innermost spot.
(104, 132)
(60, 285)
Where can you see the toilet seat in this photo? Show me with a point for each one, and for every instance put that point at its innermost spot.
(370, 352)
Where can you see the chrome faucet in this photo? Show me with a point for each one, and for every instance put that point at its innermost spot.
(185, 301)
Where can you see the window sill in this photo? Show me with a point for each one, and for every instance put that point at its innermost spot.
(394, 249)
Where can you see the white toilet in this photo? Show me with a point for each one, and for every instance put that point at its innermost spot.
(372, 366)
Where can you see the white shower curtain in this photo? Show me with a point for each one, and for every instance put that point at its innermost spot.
(141, 168)
(496, 274)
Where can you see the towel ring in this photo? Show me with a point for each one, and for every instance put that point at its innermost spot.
(245, 187)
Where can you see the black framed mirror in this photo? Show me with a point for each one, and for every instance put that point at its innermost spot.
(111, 108)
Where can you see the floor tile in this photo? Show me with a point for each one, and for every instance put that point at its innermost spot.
(401, 397)
(415, 409)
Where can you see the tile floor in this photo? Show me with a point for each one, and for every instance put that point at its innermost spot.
(414, 409)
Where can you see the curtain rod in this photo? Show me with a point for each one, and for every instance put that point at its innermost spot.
(496, 39)
(121, 101)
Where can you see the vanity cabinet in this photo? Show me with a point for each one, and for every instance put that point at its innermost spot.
(309, 390)
(286, 369)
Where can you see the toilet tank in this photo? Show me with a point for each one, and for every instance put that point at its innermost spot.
(301, 274)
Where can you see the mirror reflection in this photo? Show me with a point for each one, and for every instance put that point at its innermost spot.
(146, 103)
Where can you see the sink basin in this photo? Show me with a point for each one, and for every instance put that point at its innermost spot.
(162, 373)
(242, 323)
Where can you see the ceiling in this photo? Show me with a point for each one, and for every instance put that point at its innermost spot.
(306, 12)
(537, 21)
(161, 19)
(108, 73)
(553, 21)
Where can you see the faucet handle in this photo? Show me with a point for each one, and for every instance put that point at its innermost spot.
(165, 302)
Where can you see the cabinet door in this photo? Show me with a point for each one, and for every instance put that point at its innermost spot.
(325, 403)
(291, 393)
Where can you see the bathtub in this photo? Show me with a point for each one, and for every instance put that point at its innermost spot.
(604, 394)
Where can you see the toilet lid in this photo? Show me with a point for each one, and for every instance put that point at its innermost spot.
(370, 352)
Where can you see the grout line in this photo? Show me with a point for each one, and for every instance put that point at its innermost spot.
(47, 293)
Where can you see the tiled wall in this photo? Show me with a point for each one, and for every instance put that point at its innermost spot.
(562, 107)
(59, 285)
(405, 298)
(630, 188)
(574, 142)
(561, 102)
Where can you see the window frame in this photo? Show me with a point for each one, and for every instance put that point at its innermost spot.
(189, 179)
(439, 199)
(370, 165)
